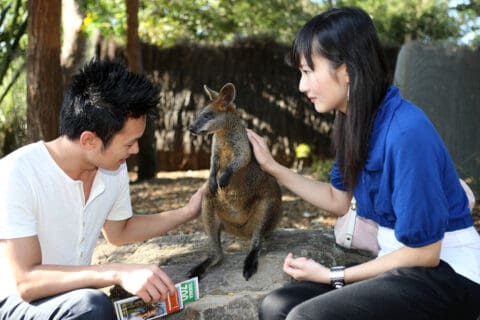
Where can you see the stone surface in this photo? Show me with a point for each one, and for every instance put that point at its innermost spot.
(224, 293)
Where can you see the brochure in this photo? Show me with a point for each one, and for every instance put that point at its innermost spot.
(134, 308)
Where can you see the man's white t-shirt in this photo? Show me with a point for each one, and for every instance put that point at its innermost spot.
(37, 198)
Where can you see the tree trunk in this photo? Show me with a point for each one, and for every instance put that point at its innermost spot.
(44, 76)
(133, 43)
(75, 41)
(146, 158)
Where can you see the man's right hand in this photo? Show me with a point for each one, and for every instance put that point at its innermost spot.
(149, 282)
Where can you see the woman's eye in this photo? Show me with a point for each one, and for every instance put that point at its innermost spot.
(305, 71)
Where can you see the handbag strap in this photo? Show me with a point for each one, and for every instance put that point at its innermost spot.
(352, 212)
(469, 193)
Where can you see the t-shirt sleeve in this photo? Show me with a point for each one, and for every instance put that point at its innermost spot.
(418, 158)
(17, 214)
(122, 208)
(336, 178)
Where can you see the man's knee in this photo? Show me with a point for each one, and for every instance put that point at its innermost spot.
(94, 304)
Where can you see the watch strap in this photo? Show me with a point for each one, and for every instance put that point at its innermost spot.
(337, 276)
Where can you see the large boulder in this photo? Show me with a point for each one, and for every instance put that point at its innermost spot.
(224, 293)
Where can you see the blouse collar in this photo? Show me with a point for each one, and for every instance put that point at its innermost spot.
(381, 124)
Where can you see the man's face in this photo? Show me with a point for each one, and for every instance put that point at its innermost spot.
(123, 144)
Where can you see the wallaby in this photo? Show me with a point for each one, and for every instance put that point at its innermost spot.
(241, 199)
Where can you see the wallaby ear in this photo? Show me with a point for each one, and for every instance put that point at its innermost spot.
(227, 93)
(211, 93)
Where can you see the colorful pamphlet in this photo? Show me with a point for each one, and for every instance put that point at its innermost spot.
(134, 308)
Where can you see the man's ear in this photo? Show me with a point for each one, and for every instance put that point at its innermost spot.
(89, 140)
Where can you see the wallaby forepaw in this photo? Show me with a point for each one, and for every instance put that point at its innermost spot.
(212, 184)
(225, 178)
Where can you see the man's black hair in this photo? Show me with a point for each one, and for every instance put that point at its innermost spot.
(102, 96)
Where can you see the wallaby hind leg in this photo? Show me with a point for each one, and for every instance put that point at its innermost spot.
(250, 264)
(213, 229)
(215, 255)
(267, 216)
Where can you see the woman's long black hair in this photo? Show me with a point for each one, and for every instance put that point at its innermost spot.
(347, 36)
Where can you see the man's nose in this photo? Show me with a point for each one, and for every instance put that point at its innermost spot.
(134, 149)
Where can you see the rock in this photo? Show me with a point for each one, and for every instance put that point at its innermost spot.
(224, 293)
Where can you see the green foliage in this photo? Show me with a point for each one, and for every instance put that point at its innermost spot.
(215, 21)
(105, 16)
(13, 112)
(469, 17)
(13, 25)
(321, 168)
(166, 22)
(13, 40)
(398, 21)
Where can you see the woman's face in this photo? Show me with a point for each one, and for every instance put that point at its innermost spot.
(325, 86)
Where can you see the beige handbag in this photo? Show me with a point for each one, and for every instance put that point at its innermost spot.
(353, 231)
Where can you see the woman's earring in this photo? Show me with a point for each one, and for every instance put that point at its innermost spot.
(348, 93)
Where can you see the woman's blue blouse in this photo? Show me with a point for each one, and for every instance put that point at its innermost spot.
(409, 182)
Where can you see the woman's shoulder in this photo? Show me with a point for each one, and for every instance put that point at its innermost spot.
(410, 121)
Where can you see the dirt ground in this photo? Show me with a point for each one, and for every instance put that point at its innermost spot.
(171, 190)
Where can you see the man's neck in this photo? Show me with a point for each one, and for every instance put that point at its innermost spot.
(70, 157)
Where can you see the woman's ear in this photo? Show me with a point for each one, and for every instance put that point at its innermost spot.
(342, 73)
(89, 140)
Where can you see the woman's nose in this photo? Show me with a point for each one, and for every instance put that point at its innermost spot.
(302, 85)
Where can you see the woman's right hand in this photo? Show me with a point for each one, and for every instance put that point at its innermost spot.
(261, 151)
(305, 269)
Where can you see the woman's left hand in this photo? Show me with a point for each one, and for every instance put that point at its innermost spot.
(305, 269)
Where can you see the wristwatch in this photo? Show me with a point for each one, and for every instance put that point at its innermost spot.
(337, 276)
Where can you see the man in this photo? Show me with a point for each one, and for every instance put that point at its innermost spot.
(56, 196)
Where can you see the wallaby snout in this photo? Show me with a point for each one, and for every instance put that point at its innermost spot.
(194, 129)
(241, 199)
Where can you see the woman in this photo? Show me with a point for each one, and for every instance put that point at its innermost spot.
(390, 157)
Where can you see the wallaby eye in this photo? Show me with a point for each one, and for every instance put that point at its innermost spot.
(208, 115)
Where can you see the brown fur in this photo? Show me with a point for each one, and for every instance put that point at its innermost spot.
(241, 198)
